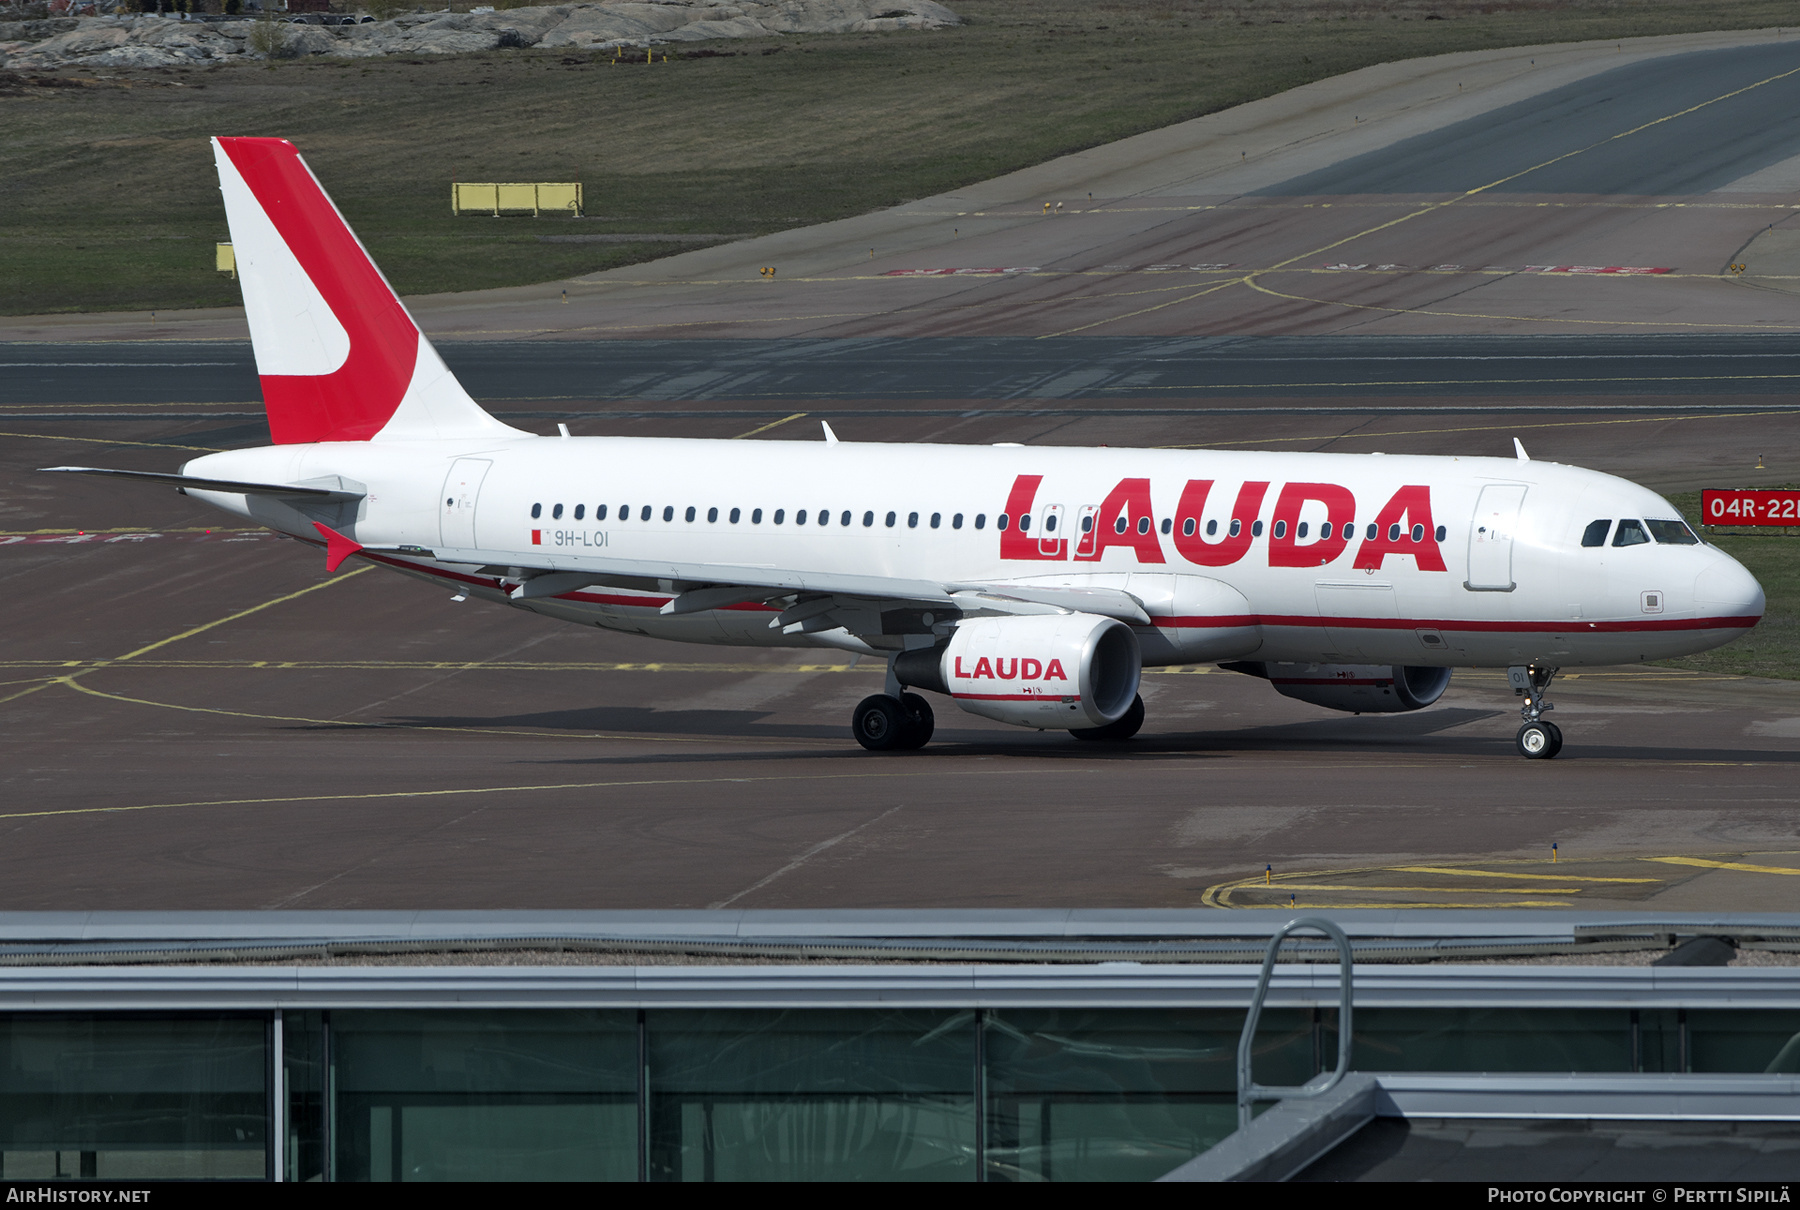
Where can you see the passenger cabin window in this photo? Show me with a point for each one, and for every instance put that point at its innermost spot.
(999, 522)
(537, 510)
(937, 519)
(1187, 527)
(1024, 522)
(644, 513)
(1299, 530)
(956, 521)
(1672, 533)
(1212, 527)
(799, 517)
(1168, 526)
(1256, 529)
(556, 513)
(780, 513)
(981, 521)
(1630, 533)
(599, 512)
(580, 509)
(1324, 531)
(1441, 531)
(912, 520)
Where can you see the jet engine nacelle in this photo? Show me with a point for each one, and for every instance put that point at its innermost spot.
(1040, 670)
(1355, 688)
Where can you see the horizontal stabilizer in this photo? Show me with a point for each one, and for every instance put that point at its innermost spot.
(216, 485)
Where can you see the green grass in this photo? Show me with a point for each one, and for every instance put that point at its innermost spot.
(108, 201)
(1773, 648)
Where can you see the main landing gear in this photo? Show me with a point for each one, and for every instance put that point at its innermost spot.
(1537, 739)
(886, 723)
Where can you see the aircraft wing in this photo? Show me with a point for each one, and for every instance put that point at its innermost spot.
(279, 490)
(702, 586)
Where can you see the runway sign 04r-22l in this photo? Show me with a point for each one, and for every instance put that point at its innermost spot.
(1746, 506)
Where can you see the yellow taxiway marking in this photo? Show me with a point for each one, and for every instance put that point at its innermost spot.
(773, 424)
(152, 445)
(1454, 872)
(1741, 866)
(1390, 905)
(126, 529)
(466, 791)
(1222, 895)
(439, 666)
(70, 679)
(488, 666)
(72, 683)
(166, 403)
(1428, 890)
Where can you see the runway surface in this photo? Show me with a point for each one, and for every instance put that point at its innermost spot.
(1118, 373)
(196, 716)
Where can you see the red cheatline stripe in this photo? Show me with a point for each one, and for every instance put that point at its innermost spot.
(1571, 626)
(1017, 697)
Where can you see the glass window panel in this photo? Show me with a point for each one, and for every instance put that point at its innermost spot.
(1489, 1039)
(1123, 1094)
(303, 1054)
(812, 1095)
(133, 1098)
(1744, 1040)
(501, 1095)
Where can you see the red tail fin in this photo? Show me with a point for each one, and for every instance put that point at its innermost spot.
(339, 357)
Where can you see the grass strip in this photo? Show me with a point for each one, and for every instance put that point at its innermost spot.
(108, 199)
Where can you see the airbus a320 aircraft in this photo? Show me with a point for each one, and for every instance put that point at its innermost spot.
(1030, 585)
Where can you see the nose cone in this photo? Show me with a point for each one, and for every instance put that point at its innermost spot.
(1726, 589)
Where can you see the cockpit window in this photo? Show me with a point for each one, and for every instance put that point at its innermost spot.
(1630, 533)
(1672, 533)
(1595, 533)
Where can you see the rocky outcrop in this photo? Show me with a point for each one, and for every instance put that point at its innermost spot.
(151, 41)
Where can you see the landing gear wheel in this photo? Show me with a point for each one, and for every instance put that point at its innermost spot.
(1539, 740)
(881, 724)
(1123, 727)
(921, 723)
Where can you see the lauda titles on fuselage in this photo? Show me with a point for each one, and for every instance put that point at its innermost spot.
(1029, 585)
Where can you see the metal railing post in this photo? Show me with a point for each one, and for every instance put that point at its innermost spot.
(1249, 1091)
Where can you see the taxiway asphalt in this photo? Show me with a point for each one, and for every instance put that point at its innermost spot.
(198, 716)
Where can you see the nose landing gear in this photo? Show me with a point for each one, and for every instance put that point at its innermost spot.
(1537, 739)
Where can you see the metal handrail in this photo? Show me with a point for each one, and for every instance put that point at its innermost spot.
(1248, 1090)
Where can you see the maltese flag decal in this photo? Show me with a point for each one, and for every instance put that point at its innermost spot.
(339, 357)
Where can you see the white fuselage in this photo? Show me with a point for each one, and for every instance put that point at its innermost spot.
(1474, 561)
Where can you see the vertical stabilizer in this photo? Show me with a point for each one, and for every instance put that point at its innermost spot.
(339, 357)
